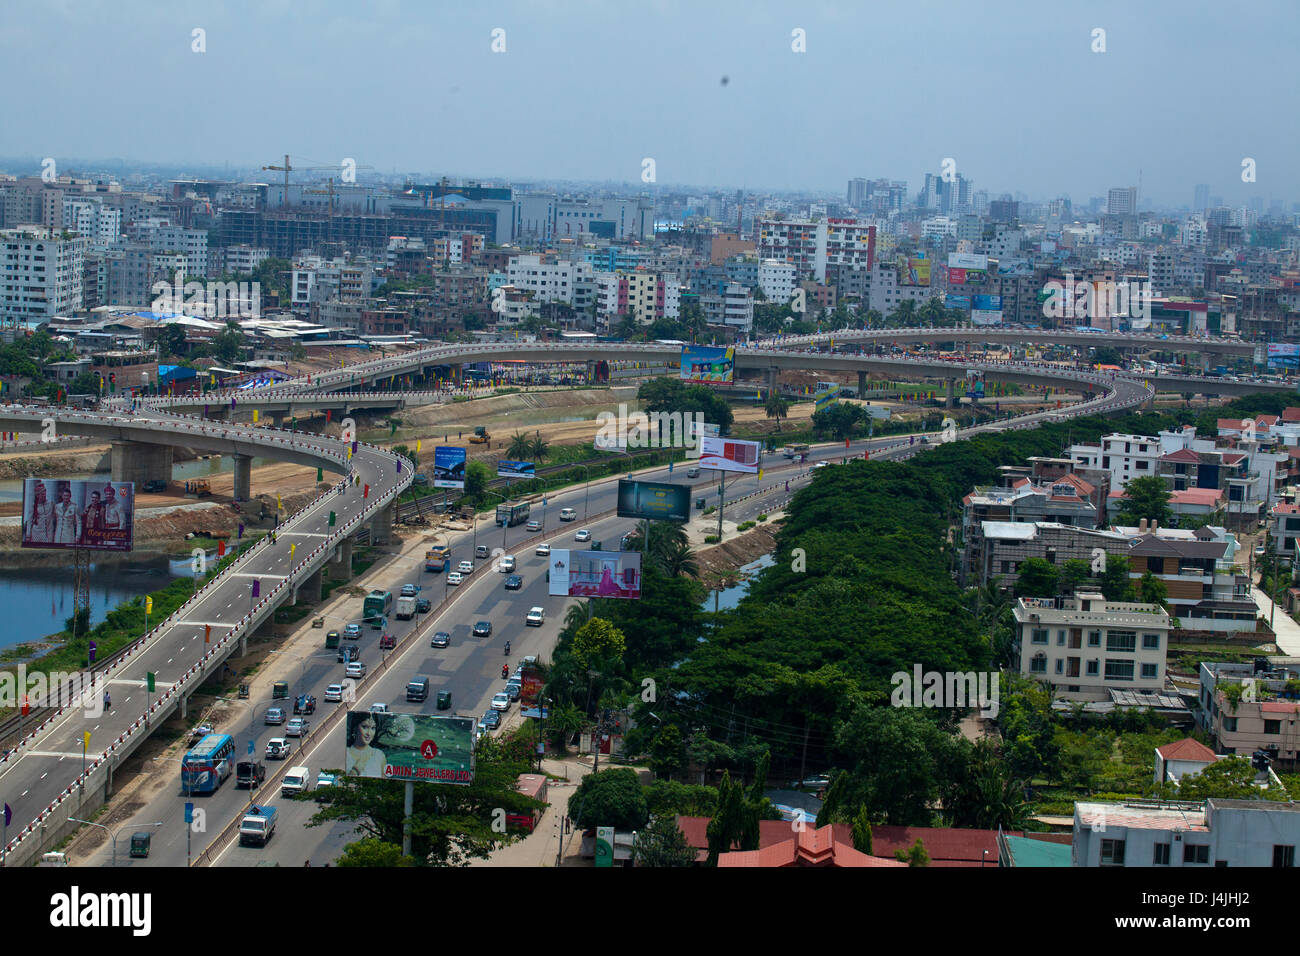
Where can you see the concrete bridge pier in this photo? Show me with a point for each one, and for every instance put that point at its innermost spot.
(381, 526)
(771, 381)
(952, 393)
(278, 419)
(243, 476)
(141, 462)
(308, 591)
(343, 561)
(862, 382)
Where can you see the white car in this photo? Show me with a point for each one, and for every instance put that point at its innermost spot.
(535, 617)
(356, 670)
(334, 694)
(378, 708)
(582, 535)
(568, 514)
(465, 567)
(507, 564)
(296, 727)
(501, 701)
(454, 577)
(534, 525)
(544, 550)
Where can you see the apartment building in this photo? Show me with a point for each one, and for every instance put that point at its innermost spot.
(777, 280)
(1284, 528)
(316, 279)
(1085, 646)
(1260, 833)
(811, 246)
(1250, 707)
(243, 259)
(40, 274)
(733, 309)
(548, 278)
(89, 217)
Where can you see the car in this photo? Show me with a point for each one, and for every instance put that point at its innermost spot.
(483, 629)
(454, 578)
(332, 638)
(297, 727)
(819, 782)
(543, 550)
(465, 567)
(355, 670)
(568, 514)
(378, 708)
(693, 471)
(304, 704)
(514, 582)
(501, 701)
(492, 718)
(481, 551)
(423, 606)
(275, 715)
(278, 748)
(535, 617)
(1260, 551)
(348, 653)
(513, 689)
(352, 632)
(440, 639)
(199, 732)
(582, 535)
(534, 525)
(507, 564)
(408, 590)
(334, 694)
(823, 464)
(387, 642)
(324, 779)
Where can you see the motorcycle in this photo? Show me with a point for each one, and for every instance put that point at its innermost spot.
(507, 650)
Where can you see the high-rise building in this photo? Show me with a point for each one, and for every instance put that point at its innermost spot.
(811, 246)
(1122, 201)
(859, 193)
(40, 274)
(1202, 199)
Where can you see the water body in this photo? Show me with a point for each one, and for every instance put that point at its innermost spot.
(12, 489)
(38, 601)
(728, 598)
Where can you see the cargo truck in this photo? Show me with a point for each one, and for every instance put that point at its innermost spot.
(405, 608)
(257, 826)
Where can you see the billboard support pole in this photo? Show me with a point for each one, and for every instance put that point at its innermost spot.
(408, 809)
(722, 500)
(80, 589)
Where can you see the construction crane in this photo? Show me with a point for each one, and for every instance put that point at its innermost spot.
(288, 168)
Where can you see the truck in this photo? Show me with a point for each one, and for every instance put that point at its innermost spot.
(297, 780)
(480, 436)
(436, 558)
(405, 608)
(512, 513)
(257, 826)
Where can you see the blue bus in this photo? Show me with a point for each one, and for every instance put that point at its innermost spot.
(208, 763)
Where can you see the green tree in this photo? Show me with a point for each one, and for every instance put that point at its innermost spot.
(729, 827)
(171, 341)
(666, 394)
(1230, 778)
(668, 752)
(1038, 578)
(862, 831)
(776, 406)
(1114, 578)
(838, 420)
(228, 345)
(1151, 590)
(87, 383)
(609, 798)
(598, 640)
(1146, 498)
(520, 447)
(372, 851)
(1074, 573)
(916, 856)
(661, 844)
(538, 448)
(477, 476)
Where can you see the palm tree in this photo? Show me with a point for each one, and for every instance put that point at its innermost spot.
(777, 406)
(677, 559)
(905, 315)
(576, 616)
(538, 447)
(520, 446)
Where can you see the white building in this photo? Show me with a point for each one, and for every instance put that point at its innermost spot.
(87, 217)
(1086, 646)
(243, 259)
(777, 280)
(319, 280)
(548, 278)
(1124, 456)
(811, 246)
(40, 276)
(1231, 833)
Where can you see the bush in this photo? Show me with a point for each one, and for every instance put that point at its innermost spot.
(762, 517)
(745, 525)
(711, 539)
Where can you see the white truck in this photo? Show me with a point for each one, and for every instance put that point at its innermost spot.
(257, 826)
(296, 780)
(405, 608)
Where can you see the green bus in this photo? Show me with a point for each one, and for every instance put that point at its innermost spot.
(376, 607)
(512, 513)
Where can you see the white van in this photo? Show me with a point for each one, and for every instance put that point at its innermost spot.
(296, 780)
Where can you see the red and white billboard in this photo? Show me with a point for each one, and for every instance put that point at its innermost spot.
(728, 454)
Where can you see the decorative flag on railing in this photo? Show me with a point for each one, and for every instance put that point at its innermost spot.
(257, 588)
(221, 549)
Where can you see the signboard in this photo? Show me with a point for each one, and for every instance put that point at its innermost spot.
(604, 846)
(1283, 355)
(409, 747)
(951, 301)
(729, 454)
(654, 500)
(71, 513)
(915, 271)
(515, 469)
(986, 310)
(448, 467)
(603, 574)
(967, 260)
(703, 428)
(826, 399)
(530, 692)
(708, 366)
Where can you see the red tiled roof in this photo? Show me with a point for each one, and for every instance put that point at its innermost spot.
(1183, 455)
(1187, 749)
(1232, 457)
(1291, 414)
(806, 847)
(1230, 424)
(947, 846)
(1196, 496)
(1272, 707)
(1266, 420)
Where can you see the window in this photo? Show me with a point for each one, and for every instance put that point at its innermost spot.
(1230, 724)
(1272, 726)
(1122, 641)
(1161, 855)
(1060, 638)
(1283, 855)
(1119, 670)
(1149, 671)
(1151, 642)
(1094, 668)
(1112, 852)
(1094, 638)
(1038, 665)
(1196, 853)
(1060, 665)
(1039, 636)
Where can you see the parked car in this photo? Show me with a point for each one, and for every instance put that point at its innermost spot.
(492, 719)
(501, 701)
(582, 535)
(440, 639)
(514, 582)
(352, 632)
(568, 514)
(534, 525)
(507, 564)
(275, 715)
(544, 550)
(513, 689)
(454, 578)
(296, 727)
(199, 732)
(423, 606)
(465, 567)
(535, 617)
(356, 670)
(304, 704)
(334, 694)
(483, 629)
(408, 590)
(278, 748)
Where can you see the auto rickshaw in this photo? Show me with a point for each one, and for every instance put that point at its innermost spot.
(243, 691)
(280, 690)
(140, 843)
(444, 699)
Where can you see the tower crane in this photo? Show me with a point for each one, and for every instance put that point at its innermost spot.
(288, 167)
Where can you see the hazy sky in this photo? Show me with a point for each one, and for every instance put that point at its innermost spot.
(585, 90)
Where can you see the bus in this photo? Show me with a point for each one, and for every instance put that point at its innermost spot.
(376, 607)
(436, 558)
(794, 451)
(512, 513)
(208, 763)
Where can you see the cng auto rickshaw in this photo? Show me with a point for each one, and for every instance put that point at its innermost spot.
(243, 691)
(140, 843)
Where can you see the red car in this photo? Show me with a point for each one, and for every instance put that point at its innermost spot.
(387, 642)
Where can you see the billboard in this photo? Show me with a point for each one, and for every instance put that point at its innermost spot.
(708, 366)
(409, 747)
(704, 428)
(1283, 355)
(967, 260)
(654, 500)
(987, 302)
(826, 399)
(516, 469)
(599, 574)
(966, 276)
(951, 301)
(914, 271)
(71, 513)
(728, 454)
(530, 692)
(449, 467)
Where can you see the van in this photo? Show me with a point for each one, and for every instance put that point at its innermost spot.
(249, 773)
(296, 780)
(481, 551)
(417, 690)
